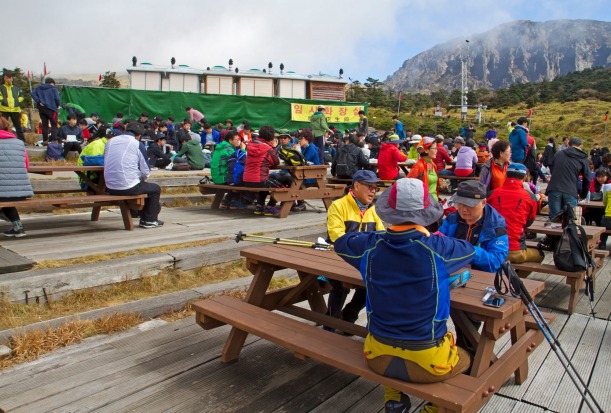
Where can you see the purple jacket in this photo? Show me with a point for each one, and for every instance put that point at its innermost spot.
(466, 158)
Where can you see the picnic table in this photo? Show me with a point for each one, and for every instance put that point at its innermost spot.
(98, 188)
(286, 196)
(573, 278)
(261, 313)
(95, 197)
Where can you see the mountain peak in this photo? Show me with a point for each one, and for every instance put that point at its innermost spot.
(515, 52)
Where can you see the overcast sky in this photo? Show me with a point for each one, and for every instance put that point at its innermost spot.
(366, 39)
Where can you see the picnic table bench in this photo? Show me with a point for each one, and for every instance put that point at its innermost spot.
(286, 196)
(462, 393)
(96, 196)
(573, 278)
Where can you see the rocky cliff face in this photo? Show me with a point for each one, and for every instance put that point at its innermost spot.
(521, 51)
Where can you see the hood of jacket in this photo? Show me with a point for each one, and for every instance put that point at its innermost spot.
(6, 134)
(46, 86)
(259, 149)
(465, 149)
(576, 153)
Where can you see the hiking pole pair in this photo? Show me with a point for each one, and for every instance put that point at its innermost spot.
(517, 289)
(320, 245)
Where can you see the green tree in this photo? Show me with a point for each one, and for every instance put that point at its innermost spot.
(110, 80)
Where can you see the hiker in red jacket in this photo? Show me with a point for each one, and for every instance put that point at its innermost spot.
(389, 157)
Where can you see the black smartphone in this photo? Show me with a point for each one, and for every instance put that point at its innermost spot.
(494, 302)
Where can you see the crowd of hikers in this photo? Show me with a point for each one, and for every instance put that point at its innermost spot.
(493, 196)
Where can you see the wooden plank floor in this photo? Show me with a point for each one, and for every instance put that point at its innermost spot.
(12, 262)
(175, 368)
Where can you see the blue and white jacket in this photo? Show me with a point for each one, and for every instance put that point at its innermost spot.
(493, 238)
(405, 270)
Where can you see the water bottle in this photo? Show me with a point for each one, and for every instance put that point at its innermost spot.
(588, 198)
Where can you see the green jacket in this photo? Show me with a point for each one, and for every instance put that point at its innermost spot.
(218, 164)
(318, 122)
(195, 156)
(10, 98)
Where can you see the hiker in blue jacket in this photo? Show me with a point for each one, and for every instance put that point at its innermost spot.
(405, 270)
(519, 141)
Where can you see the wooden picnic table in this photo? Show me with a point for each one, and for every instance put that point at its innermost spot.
(309, 263)
(593, 233)
(286, 196)
(95, 198)
(98, 188)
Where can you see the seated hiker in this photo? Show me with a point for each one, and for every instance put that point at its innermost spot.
(126, 172)
(14, 179)
(158, 159)
(350, 158)
(219, 168)
(481, 225)
(262, 157)
(93, 154)
(389, 158)
(71, 136)
(352, 213)
(519, 208)
(493, 172)
(408, 297)
(191, 149)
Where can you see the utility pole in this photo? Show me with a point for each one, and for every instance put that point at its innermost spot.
(464, 74)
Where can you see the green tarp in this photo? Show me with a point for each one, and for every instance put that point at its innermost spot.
(217, 108)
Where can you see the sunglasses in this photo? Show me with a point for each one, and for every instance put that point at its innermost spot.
(372, 188)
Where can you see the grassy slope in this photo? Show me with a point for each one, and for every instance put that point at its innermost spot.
(583, 118)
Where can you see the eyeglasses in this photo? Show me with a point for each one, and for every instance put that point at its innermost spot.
(372, 188)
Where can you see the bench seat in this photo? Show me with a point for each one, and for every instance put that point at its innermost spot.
(461, 393)
(125, 202)
(573, 278)
(284, 195)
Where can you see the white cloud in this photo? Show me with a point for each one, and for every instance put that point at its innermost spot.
(363, 38)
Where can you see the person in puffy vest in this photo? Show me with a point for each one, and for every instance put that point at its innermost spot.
(14, 180)
(218, 166)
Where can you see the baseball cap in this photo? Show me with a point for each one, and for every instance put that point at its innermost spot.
(469, 193)
(575, 141)
(366, 176)
(517, 168)
(459, 140)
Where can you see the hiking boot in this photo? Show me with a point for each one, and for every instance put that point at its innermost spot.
(298, 207)
(271, 211)
(403, 406)
(152, 224)
(236, 205)
(259, 209)
(15, 232)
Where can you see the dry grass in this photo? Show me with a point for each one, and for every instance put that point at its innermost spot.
(186, 202)
(180, 190)
(13, 315)
(90, 259)
(30, 345)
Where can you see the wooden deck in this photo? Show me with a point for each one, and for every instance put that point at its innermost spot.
(176, 368)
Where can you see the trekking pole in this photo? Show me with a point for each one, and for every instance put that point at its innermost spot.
(589, 292)
(282, 241)
(517, 289)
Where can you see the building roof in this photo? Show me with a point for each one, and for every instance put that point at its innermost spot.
(224, 71)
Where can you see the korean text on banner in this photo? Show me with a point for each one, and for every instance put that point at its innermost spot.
(335, 114)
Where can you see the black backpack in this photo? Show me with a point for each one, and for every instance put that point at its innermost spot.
(571, 251)
(345, 165)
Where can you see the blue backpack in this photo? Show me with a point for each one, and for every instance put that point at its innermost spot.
(235, 168)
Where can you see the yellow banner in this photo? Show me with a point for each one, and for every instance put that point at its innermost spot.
(335, 114)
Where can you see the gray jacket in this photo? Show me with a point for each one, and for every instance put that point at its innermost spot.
(14, 180)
